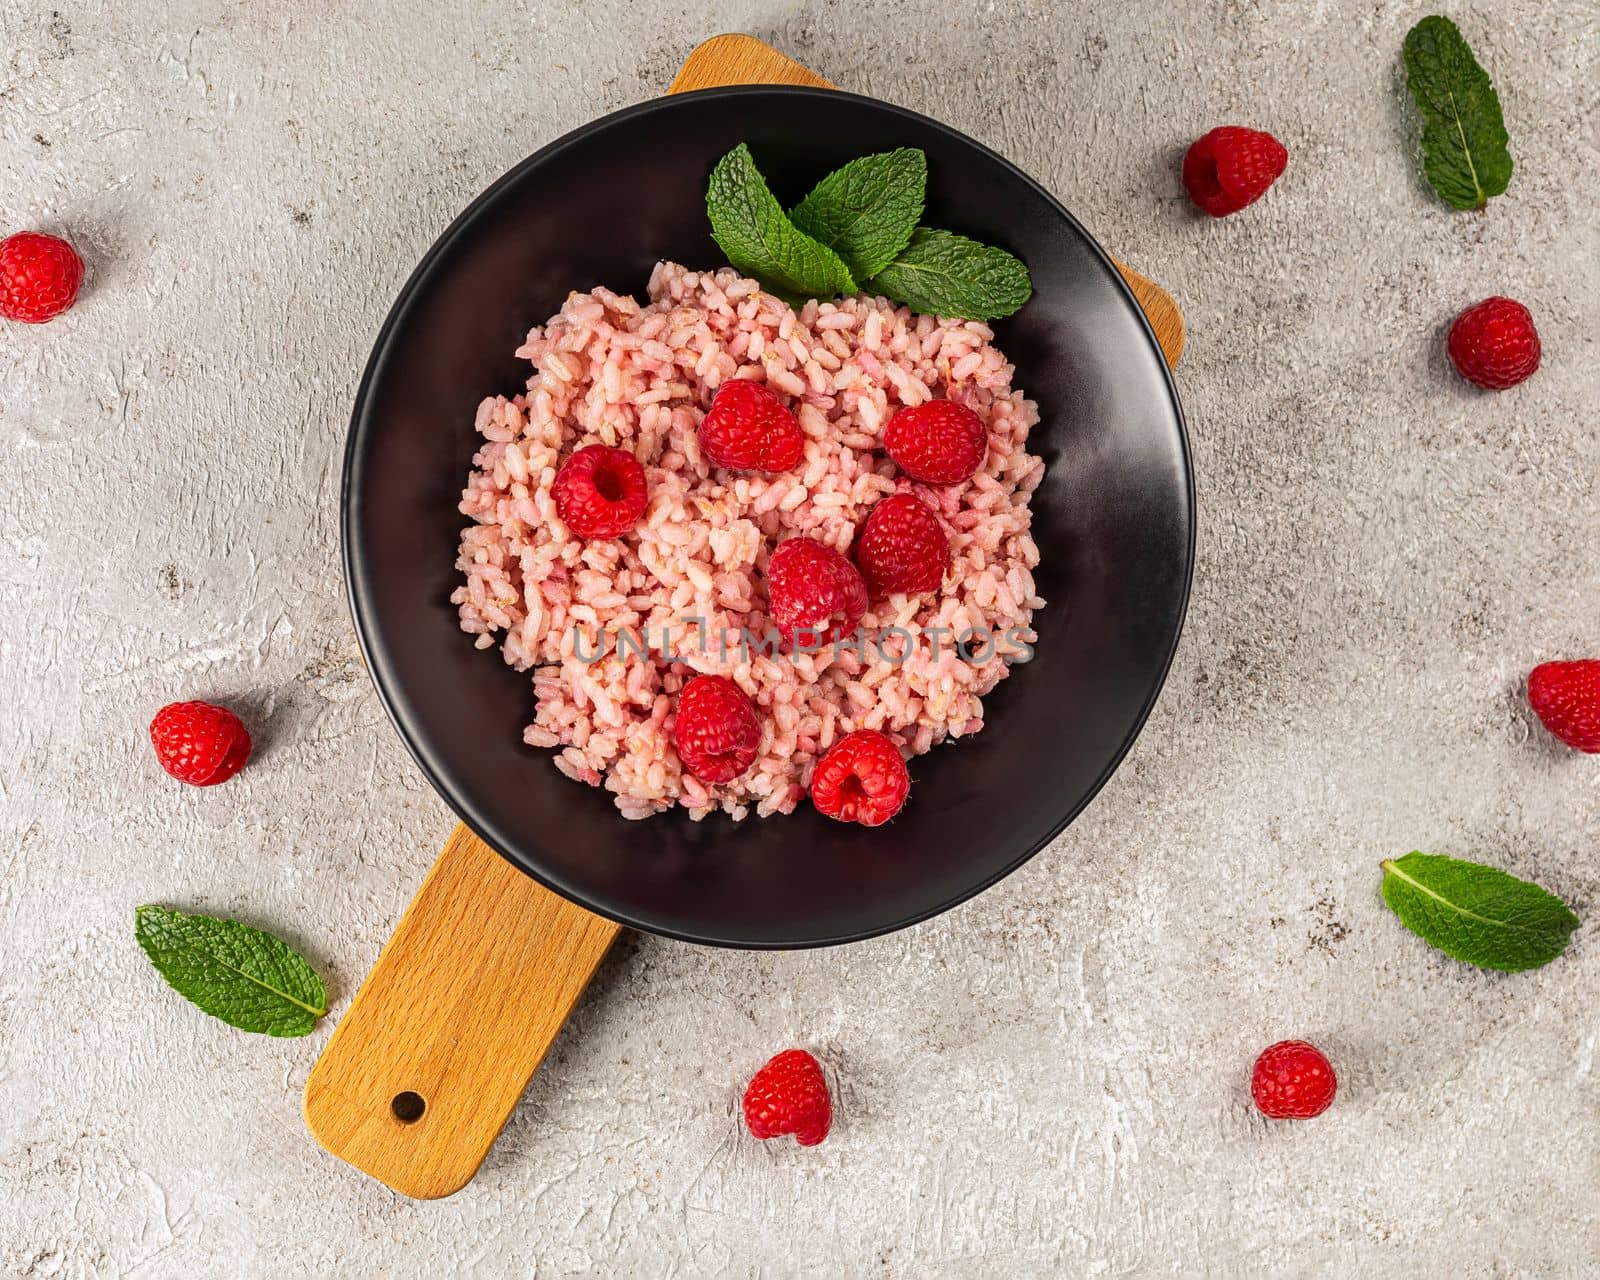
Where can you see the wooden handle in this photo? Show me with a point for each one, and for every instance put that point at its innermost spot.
(740, 59)
(428, 1062)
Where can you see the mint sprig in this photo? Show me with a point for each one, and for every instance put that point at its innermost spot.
(1463, 131)
(943, 274)
(1477, 914)
(248, 978)
(752, 229)
(859, 224)
(867, 210)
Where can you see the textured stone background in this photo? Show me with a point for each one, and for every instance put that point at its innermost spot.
(1049, 1080)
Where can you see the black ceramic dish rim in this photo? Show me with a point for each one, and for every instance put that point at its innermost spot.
(372, 648)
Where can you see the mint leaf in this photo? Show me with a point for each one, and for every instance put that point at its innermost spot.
(246, 977)
(943, 274)
(1477, 914)
(1463, 133)
(749, 224)
(867, 210)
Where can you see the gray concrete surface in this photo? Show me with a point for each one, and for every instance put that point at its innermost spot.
(1047, 1081)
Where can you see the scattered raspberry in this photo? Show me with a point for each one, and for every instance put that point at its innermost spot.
(1230, 167)
(1494, 344)
(902, 547)
(937, 442)
(1566, 698)
(716, 731)
(600, 492)
(198, 743)
(1292, 1081)
(861, 779)
(814, 594)
(749, 429)
(789, 1095)
(39, 277)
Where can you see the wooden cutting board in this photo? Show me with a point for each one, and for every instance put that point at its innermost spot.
(739, 59)
(428, 1062)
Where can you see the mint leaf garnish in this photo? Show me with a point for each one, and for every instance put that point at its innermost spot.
(1477, 914)
(867, 210)
(943, 274)
(1463, 132)
(246, 977)
(751, 227)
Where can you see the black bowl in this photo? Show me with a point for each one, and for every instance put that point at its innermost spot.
(1114, 520)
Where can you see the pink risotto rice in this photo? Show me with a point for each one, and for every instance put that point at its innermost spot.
(609, 370)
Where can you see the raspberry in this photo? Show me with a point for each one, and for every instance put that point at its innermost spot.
(39, 277)
(716, 732)
(902, 547)
(1230, 167)
(1566, 698)
(749, 429)
(861, 779)
(1292, 1081)
(937, 442)
(198, 743)
(789, 1095)
(814, 594)
(1494, 344)
(600, 492)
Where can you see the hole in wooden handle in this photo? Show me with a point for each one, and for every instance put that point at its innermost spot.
(408, 1106)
